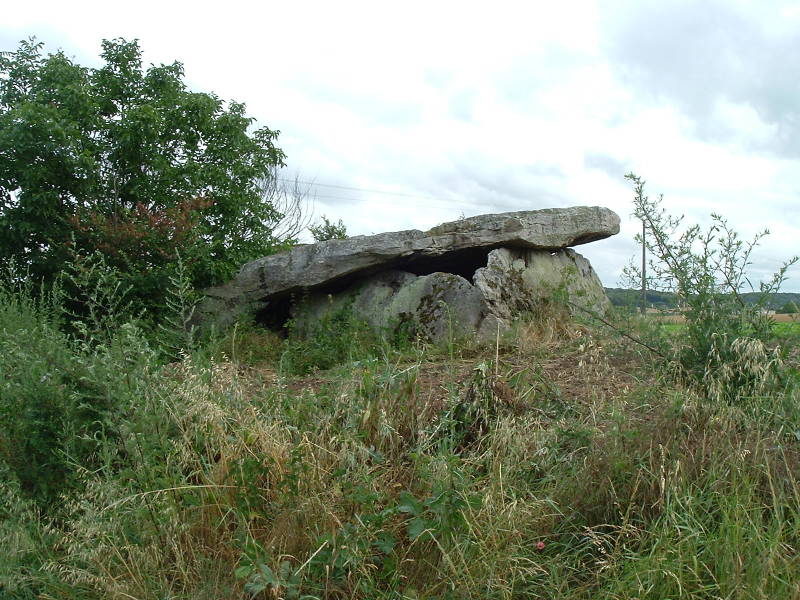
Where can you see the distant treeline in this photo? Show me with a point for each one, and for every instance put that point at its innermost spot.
(666, 300)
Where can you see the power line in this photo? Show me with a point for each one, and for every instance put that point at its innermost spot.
(426, 199)
(396, 203)
(356, 189)
(421, 200)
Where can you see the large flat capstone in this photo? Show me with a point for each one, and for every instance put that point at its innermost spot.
(441, 248)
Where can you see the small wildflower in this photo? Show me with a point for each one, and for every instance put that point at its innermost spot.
(540, 545)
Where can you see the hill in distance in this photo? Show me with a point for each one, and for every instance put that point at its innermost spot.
(668, 300)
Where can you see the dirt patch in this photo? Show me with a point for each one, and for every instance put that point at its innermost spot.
(566, 364)
(786, 318)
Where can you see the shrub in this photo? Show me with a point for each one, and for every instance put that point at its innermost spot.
(73, 362)
(34, 400)
(328, 230)
(60, 395)
(336, 337)
(707, 268)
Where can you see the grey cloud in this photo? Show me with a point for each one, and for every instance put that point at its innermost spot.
(544, 169)
(609, 257)
(696, 53)
(473, 185)
(609, 165)
(437, 77)
(505, 189)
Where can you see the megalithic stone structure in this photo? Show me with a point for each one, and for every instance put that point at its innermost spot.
(489, 254)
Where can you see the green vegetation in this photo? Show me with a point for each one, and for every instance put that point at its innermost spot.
(566, 462)
(328, 230)
(781, 302)
(127, 162)
(725, 350)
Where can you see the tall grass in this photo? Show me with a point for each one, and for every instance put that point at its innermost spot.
(558, 464)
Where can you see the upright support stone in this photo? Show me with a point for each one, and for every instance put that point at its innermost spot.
(514, 279)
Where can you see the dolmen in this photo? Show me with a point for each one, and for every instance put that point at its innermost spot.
(473, 276)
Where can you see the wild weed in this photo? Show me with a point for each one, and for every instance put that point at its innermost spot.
(708, 270)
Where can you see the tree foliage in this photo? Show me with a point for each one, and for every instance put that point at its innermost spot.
(328, 230)
(126, 160)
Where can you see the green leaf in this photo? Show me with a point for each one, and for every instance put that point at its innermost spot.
(244, 572)
(385, 542)
(267, 574)
(417, 526)
(255, 587)
(407, 503)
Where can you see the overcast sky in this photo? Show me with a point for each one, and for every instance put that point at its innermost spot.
(467, 108)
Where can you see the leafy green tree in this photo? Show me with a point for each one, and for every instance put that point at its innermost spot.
(128, 161)
(328, 230)
(790, 308)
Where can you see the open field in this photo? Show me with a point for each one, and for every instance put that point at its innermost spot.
(672, 317)
(784, 325)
